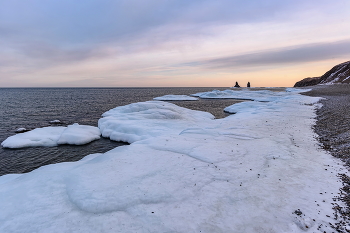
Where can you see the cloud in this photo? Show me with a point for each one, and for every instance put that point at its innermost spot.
(287, 55)
(60, 38)
(73, 22)
(72, 25)
(67, 31)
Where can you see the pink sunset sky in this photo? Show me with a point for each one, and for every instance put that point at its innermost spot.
(154, 43)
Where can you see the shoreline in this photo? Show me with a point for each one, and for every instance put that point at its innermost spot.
(260, 169)
(333, 130)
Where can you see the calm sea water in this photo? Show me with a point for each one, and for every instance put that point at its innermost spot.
(36, 107)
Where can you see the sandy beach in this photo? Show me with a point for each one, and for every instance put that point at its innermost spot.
(332, 126)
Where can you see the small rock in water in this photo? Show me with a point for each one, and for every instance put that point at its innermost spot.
(237, 85)
(21, 130)
(55, 122)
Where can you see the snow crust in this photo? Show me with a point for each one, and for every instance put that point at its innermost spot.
(175, 97)
(52, 136)
(185, 172)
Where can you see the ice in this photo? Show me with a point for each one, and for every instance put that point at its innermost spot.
(47, 136)
(175, 97)
(251, 107)
(185, 172)
(244, 94)
(79, 134)
(52, 136)
(144, 120)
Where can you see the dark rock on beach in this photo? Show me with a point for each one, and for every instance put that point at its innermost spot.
(338, 74)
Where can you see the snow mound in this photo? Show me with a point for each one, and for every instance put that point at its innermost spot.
(52, 136)
(79, 134)
(175, 97)
(143, 120)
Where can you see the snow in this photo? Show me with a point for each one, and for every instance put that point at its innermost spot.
(185, 172)
(253, 107)
(79, 134)
(52, 136)
(247, 94)
(139, 121)
(175, 97)
(333, 81)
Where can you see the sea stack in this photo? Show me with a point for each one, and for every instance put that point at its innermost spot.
(237, 85)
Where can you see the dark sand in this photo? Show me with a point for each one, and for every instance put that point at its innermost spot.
(333, 128)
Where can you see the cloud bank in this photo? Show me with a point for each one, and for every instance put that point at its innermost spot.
(287, 55)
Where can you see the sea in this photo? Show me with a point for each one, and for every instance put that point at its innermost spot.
(32, 108)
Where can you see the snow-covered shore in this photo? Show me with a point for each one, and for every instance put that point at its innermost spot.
(259, 170)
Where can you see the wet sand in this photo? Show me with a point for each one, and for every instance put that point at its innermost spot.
(333, 128)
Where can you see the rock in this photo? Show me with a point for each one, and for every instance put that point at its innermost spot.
(21, 130)
(308, 82)
(298, 212)
(337, 75)
(55, 122)
(237, 85)
(248, 84)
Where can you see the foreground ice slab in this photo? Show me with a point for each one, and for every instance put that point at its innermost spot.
(175, 97)
(52, 136)
(255, 171)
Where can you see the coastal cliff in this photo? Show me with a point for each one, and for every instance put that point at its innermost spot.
(338, 74)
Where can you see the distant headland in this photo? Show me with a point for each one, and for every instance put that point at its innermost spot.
(338, 74)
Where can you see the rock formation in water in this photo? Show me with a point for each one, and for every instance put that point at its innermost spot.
(248, 84)
(338, 74)
(237, 85)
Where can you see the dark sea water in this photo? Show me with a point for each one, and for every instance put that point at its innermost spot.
(35, 107)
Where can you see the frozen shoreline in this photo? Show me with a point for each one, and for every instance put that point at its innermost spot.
(249, 172)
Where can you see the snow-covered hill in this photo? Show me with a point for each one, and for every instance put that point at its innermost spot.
(338, 74)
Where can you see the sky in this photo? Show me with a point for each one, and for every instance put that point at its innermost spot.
(163, 43)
